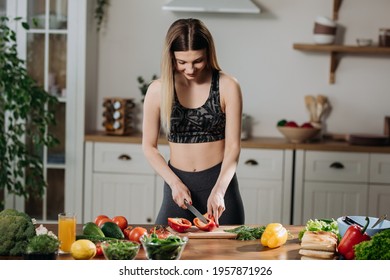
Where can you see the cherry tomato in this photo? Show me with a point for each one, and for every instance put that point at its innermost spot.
(210, 226)
(160, 231)
(136, 233)
(99, 218)
(103, 220)
(179, 224)
(99, 250)
(121, 221)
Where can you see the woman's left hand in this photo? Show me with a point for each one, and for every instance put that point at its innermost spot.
(215, 206)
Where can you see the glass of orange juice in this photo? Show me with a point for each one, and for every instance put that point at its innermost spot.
(66, 231)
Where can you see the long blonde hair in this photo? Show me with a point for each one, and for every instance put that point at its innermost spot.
(183, 35)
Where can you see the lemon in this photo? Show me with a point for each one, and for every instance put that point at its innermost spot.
(83, 249)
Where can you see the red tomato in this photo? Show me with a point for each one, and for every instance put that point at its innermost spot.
(307, 125)
(210, 226)
(179, 224)
(121, 221)
(160, 231)
(291, 124)
(99, 250)
(127, 231)
(99, 218)
(136, 233)
(103, 220)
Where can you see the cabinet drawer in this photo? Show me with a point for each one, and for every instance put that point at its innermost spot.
(380, 168)
(261, 164)
(120, 158)
(336, 166)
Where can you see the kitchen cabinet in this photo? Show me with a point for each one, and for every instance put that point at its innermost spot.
(264, 176)
(120, 181)
(332, 184)
(379, 185)
(54, 52)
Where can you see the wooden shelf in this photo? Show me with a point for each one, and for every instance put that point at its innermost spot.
(335, 50)
(341, 48)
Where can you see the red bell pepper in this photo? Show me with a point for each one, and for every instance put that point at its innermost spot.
(179, 224)
(353, 236)
(210, 226)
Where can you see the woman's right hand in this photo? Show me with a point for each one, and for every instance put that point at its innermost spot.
(180, 192)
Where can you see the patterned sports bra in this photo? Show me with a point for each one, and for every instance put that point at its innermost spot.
(199, 125)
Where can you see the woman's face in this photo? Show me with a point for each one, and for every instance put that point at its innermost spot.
(190, 63)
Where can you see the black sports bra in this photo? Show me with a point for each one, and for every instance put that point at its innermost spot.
(204, 124)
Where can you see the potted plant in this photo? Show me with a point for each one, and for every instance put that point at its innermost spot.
(24, 118)
(43, 246)
(143, 85)
(100, 12)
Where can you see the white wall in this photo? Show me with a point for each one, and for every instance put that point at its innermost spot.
(257, 49)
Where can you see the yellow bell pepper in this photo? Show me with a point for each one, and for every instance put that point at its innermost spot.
(274, 235)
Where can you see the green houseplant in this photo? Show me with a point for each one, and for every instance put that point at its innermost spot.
(100, 12)
(143, 85)
(24, 118)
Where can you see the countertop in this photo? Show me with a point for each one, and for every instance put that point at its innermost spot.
(219, 249)
(254, 142)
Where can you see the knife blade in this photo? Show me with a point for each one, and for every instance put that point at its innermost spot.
(196, 212)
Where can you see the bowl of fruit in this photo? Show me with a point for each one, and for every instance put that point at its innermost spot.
(296, 133)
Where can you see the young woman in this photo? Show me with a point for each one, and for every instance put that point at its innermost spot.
(200, 109)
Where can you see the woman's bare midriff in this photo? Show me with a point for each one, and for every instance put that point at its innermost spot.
(197, 156)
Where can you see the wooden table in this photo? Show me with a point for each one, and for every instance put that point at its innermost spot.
(221, 249)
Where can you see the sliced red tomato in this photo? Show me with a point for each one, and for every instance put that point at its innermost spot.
(210, 226)
(160, 231)
(121, 221)
(179, 224)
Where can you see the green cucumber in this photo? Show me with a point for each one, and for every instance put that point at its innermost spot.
(111, 229)
(91, 228)
(94, 238)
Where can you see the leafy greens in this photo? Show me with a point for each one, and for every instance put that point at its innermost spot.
(375, 249)
(247, 232)
(320, 225)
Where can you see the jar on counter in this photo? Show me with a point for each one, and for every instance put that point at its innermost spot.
(384, 37)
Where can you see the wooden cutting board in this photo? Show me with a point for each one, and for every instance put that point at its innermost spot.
(194, 232)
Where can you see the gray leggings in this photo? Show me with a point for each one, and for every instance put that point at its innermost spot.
(200, 185)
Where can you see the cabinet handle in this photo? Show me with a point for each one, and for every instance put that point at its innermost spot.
(124, 157)
(251, 162)
(148, 220)
(336, 165)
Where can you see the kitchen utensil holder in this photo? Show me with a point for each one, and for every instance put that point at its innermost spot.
(118, 116)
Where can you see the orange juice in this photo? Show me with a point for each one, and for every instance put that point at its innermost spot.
(66, 231)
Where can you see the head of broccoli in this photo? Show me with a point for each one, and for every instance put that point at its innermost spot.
(16, 228)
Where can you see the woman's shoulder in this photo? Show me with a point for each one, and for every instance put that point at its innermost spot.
(153, 92)
(227, 80)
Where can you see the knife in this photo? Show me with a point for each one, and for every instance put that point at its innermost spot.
(196, 212)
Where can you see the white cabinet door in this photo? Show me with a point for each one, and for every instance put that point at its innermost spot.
(264, 177)
(378, 200)
(120, 194)
(332, 200)
(380, 168)
(262, 200)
